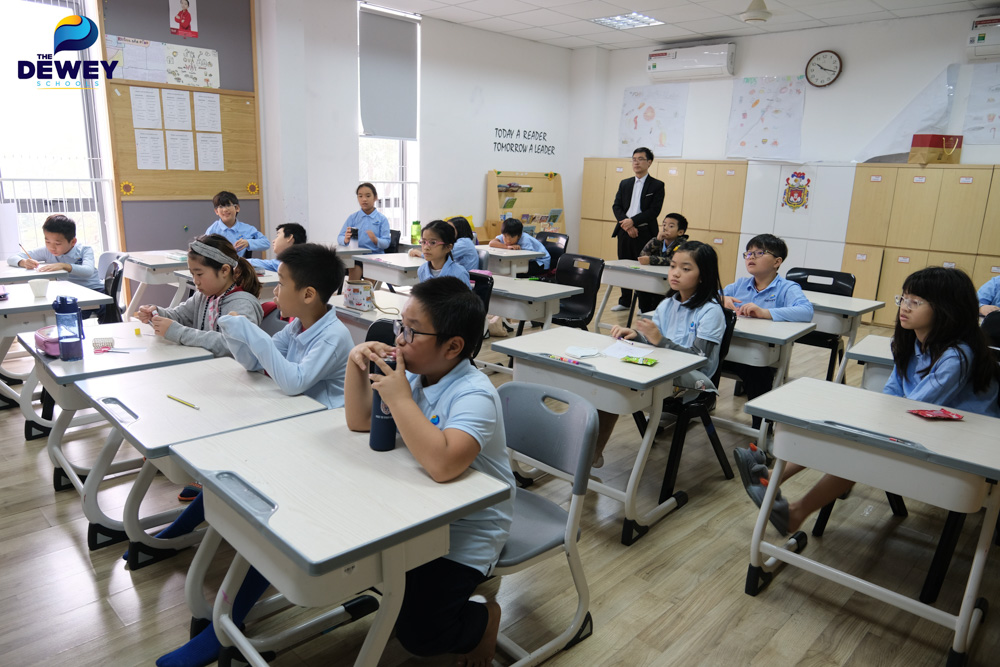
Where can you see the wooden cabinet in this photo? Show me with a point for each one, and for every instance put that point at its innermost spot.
(726, 246)
(989, 240)
(727, 197)
(615, 170)
(672, 174)
(914, 205)
(865, 264)
(871, 204)
(987, 268)
(897, 264)
(699, 182)
(593, 203)
(951, 260)
(961, 206)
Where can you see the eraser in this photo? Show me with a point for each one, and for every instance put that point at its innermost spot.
(138, 331)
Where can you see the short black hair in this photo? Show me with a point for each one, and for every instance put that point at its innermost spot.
(295, 230)
(769, 243)
(454, 309)
(682, 222)
(60, 224)
(444, 231)
(314, 265)
(225, 198)
(462, 226)
(369, 186)
(512, 227)
(646, 151)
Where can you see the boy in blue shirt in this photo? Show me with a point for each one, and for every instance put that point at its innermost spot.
(766, 295)
(61, 252)
(449, 416)
(244, 237)
(512, 237)
(989, 296)
(287, 235)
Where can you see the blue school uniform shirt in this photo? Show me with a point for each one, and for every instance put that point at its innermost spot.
(311, 362)
(529, 242)
(682, 324)
(266, 264)
(946, 384)
(784, 298)
(989, 293)
(464, 252)
(376, 222)
(240, 230)
(466, 400)
(450, 268)
(80, 259)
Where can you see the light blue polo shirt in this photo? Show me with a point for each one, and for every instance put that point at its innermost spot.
(529, 242)
(464, 252)
(465, 399)
(682, 324)
(946, 384)
(783, 298)
(989, 293)
(450, 268)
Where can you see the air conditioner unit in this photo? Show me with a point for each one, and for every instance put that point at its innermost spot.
(984, 40)
(692, 62)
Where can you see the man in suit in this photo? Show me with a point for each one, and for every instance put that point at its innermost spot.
(637, 210)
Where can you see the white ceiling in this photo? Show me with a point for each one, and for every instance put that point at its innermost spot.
(566, 22)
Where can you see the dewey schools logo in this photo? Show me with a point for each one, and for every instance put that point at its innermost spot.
(73, 33)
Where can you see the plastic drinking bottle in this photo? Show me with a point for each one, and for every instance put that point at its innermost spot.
(382, 436)
(69, 328)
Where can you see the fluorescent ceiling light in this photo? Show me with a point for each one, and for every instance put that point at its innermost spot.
(627, 21)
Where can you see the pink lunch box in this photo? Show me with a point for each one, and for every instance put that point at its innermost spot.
(46, 341)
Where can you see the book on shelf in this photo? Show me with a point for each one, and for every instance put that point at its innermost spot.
(554, 215)
(525, 218)
(509, 202)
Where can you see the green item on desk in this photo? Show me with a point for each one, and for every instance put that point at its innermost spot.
(642, 361)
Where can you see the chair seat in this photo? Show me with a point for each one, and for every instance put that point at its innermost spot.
(820, 339)
(572, 311)
(538, 526)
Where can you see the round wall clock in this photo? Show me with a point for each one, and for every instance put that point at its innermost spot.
(824, 68)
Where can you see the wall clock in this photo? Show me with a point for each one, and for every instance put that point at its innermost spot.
(824, 68)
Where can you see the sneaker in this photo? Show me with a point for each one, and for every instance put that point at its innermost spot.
(189, 492)
(746, 460)
(779, 511)
(599, 462)
(617, 308)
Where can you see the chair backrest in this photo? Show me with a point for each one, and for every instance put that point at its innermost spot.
(991, 327)
(393, 241)
(563, 440)
(555, 243)
(727, 338)
(105, 259)
(484, 260)
(482, 285)
(822, 280)
(381, 330)
(113, 278)
(271, 323)
(581, 271)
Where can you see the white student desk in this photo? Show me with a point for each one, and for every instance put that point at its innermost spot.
(614, 385)
(870, 438)
(630, 274)
(358, 321)
(344, 252)
(323, 517)
(228, 398)
(396, 268)
(22, 310)
(268, 280)
(840, 315)
(875, 353)
(510, 262)
(16, 274)
(156, 267)
(528, 300)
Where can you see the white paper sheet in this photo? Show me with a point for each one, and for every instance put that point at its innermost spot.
(653, 116)
(177, 110)
(210, 156)
(149, 153)
(146, 108)
(622, 349)
(982, 113)
(180, 150)
(207, 114)
(192, 66)
(765, 119)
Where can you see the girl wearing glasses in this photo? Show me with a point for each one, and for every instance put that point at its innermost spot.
(941, 357)
(436, 241)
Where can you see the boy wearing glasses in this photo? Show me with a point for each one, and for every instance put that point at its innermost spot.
(637, 208)
(766, 295)
(449, 416)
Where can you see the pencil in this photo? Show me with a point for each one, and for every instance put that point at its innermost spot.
(190, 405)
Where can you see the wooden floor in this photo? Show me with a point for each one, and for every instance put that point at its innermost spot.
(674, 598)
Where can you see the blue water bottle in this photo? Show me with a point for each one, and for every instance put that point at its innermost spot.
(382, 435)
(69, 328)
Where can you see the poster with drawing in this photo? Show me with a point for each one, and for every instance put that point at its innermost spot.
(982, 113)
(191, 66)
(183, 16)
(653, 116)
(765, 119)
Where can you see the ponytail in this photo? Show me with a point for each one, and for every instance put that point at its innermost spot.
(246, 277)
(215, 244)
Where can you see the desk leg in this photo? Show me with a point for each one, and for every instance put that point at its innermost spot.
(194, 584)
(855, 324)
(182, 288)
(145, 549)
(134, 302)
(600, 309)
(393, 583)
(973, 610)
(8, 396)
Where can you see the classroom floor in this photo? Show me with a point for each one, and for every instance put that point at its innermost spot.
(673, 598)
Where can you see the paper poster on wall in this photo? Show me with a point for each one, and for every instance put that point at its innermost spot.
(180, 150)
(210, 156)
(146, 108)
(765, 119)
(191, 66)
(207, 114)
(653, 116)
(149, 153)
(138, 59)
(176, 109)
(183, 15)
(795, 188)
(982, 112)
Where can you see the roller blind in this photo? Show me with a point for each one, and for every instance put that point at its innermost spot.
(388, 72)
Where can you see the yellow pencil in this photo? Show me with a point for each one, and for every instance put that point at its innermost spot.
(190, 405)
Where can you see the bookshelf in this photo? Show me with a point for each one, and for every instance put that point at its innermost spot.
(546, 194)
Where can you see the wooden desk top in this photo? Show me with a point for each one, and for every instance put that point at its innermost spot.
(397, 260)
(537, 346)
(386, 300)
(634, 265)
(16, 274)
(504, 253)
(320, 494)
(873, 349)
(882, 421)
(841, 305)
(769, 331)
(158, 259)
(145, 351)
(21, 300)
(228, 397)
(522, 289)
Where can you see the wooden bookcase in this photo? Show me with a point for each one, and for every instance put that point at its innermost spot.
(546, 194)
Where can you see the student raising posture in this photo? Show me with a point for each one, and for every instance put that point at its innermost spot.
(225, 282)
(689, 319)
(449, 416)
(512, 237)
(941, 357)
(437, 240)
(308, 357)
(244, 237)
(285, 236)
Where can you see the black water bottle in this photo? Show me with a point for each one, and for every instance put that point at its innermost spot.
(382, 436)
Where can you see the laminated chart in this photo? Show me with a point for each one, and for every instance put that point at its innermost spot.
(765, 120)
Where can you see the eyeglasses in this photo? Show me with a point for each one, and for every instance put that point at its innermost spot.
(756, 254)
(430, 243)
(908, 303)
(639, 160)
(408, 332)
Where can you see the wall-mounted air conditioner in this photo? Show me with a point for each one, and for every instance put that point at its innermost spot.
(984, 40)
(691, 62)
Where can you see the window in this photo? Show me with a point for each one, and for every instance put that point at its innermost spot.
(392, 166)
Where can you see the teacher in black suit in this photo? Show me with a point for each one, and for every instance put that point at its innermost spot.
(637, 210)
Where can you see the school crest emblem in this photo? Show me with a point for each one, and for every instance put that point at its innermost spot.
(796, 194)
